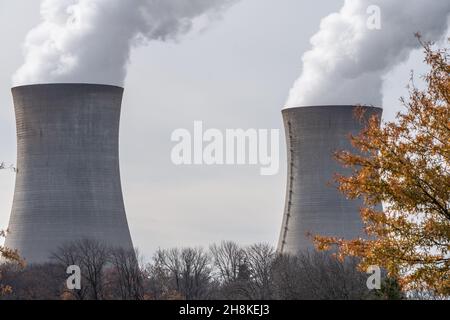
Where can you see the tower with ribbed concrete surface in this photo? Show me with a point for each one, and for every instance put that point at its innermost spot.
(68, 183)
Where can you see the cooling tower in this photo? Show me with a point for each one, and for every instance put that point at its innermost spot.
(313, 203)
(68, 181)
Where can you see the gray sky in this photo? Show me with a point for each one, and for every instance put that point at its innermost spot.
(237, 74)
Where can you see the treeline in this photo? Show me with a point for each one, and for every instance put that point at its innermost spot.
(225, 271)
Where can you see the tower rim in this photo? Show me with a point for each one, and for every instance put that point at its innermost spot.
(306, 107)
(60, 84)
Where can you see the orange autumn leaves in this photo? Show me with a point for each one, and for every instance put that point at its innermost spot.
(9, 256)
(405, 165)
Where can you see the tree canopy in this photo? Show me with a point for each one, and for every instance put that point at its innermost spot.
(405, 164)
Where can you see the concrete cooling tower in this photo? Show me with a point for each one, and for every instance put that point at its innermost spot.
(68, 181)
(313, 203)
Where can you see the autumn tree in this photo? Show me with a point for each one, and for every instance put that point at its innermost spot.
(34, 282)
(8, 256)
(405, 165)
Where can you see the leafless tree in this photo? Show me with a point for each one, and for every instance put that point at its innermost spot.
(259, 259)
(319, 276)
(230, 271)
(226, 272)
(288, 280)
(126, 275)
(92, 257)
(228, 258)
(186, 272)
(243, 273)
(158, 282)
(69, 255)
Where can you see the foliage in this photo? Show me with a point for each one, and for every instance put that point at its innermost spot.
(406, 166)
(8, 256)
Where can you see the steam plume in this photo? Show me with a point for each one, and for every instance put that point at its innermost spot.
(348, 59)
(90, 40)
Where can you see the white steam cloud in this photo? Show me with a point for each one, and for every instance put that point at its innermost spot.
(349, 57)
(89, 41)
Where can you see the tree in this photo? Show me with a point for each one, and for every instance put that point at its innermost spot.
(313, 275)
(242, 273)
(184, 273)
(34, 282)
(8, 256)
(230, 271)
(126, 275)
(406, 166)
(228, 257)
(259, 261)
(92, 257)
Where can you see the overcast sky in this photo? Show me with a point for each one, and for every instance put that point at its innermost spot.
(237, 74)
